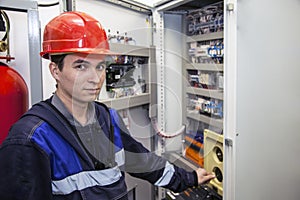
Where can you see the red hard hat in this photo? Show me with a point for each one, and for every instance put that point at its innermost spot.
(74, 32)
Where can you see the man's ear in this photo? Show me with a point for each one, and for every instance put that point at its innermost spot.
(54, 70)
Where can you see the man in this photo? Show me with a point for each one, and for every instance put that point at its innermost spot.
(71, 147)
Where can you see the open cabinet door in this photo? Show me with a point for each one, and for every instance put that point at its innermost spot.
(261, 93)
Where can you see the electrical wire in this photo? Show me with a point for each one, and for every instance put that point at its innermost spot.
(165, 134)
(48, 5)
(7, 24)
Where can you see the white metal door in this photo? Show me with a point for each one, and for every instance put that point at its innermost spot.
(262, 100)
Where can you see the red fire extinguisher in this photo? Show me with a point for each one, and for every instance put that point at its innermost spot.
(13, 98)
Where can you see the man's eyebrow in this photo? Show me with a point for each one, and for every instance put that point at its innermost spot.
(101, 63)
(80, 61)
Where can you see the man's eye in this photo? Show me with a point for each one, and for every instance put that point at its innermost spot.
(100, 67)
(80, 67)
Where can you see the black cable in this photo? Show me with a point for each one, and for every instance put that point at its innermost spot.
(7, 24)
(48, 5)
(2, 24)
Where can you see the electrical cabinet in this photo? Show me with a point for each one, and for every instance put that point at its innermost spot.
(260, 137)
(203, 90)
(202, 94)
(204, 75)
(128, 77)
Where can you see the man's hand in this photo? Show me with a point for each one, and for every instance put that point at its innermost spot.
(204, 176)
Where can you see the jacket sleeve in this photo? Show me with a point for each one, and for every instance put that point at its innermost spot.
(141, 163)
(24, 173)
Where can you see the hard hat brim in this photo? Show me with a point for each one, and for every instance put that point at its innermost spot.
(45, 54)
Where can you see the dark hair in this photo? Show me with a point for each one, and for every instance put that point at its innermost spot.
(58, 60)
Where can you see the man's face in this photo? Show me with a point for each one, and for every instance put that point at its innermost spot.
(82, 77)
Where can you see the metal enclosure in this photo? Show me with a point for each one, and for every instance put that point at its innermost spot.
(261, 122)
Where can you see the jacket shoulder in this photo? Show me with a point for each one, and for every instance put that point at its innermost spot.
(22, 129)
(27, 124)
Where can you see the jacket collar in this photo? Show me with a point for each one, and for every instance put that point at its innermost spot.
(47, 112)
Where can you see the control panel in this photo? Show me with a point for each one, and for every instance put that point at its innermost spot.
(197, 193)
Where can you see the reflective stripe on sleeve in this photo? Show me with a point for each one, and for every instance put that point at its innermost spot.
(167, 175)
(120, 157)
(86, 179)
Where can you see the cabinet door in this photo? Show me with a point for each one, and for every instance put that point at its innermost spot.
(262, 100)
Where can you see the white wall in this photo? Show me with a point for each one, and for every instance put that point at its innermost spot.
(118, 19)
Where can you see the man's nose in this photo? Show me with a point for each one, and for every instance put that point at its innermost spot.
(95, 76)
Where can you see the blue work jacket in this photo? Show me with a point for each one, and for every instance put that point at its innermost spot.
(43, 159)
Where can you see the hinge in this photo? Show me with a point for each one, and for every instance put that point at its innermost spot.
(154, 27)
(230, 6)
(228, 142)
